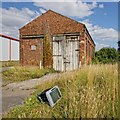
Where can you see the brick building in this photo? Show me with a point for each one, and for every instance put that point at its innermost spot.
(54, 40)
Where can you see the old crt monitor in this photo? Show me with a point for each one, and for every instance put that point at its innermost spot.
(50, 96)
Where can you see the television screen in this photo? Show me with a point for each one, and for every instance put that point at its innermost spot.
(50, 96)
(55, 95)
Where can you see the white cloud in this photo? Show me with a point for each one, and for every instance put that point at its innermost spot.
(13, 19)
(100, 45)
(42, 10)
(76, 9)
(101, 33)
(101, 6)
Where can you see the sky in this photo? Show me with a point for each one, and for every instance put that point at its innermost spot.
(100, 18)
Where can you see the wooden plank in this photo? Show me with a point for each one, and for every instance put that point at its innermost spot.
(32, 36)
(67, 34)
(57, 55)
(73, 40)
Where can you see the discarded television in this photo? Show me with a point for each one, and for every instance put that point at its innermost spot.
(50, 96)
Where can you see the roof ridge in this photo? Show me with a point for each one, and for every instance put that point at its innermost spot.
(55, 13)
(64, 16)
(34, 19)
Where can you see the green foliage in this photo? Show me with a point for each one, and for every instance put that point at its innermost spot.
(118, 44)
(24, 73)
(119, 50)
(91, 92)
(47, 54)
(106, 55)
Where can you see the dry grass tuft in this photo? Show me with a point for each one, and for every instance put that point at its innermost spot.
(91, 92)
(20, 73)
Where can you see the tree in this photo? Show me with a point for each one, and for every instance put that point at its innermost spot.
(106, 55)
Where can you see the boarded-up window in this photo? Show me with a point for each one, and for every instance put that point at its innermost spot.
(33, 47)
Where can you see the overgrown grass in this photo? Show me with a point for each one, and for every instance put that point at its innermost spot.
(24, 73)
(91, 92)
(9, 63)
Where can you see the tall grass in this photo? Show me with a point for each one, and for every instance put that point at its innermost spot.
(90, 92)
(21, 73)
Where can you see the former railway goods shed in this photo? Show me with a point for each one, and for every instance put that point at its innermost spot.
(54, 40)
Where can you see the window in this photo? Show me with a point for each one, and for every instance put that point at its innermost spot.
(33, 47)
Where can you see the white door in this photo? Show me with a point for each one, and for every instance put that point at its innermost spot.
(71, 53)
(58, 54)
(66, 53)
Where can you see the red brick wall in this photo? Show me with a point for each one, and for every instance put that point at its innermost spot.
(82, 45)
(86, 47)
(89, 49)
(52, 23)
(28, 56)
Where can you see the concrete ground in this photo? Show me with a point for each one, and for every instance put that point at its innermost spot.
(15, 93)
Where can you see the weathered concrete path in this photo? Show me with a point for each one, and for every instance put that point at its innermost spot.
(15, 93)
